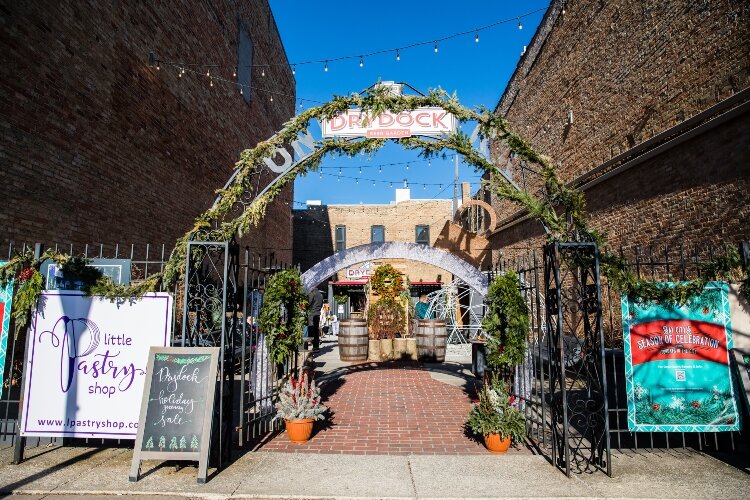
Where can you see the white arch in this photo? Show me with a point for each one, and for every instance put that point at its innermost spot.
(395, 250)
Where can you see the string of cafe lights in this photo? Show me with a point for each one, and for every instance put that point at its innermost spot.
(185, 67)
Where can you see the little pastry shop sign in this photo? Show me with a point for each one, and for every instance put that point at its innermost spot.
(421, 121)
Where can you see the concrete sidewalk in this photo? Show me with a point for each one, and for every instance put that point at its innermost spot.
(94, 471)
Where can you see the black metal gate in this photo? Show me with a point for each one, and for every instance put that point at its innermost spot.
(577, 393)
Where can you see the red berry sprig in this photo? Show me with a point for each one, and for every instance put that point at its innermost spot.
(26, 274)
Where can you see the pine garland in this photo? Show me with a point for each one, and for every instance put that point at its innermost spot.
(219, 224)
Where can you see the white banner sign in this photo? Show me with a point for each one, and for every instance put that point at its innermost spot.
(357, 274)
(421, 121)
(86, 363)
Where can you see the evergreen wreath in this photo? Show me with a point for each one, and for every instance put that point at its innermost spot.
(283, 315)
(506, 323)
(387, 282)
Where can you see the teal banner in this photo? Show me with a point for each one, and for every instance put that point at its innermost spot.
(6, 301)
(677, 364)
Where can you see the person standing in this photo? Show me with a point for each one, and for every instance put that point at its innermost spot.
(313, 316)
(422, 309)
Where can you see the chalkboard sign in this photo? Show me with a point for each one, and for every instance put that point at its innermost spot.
(177, 407)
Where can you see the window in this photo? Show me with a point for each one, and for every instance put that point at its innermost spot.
(340, 238)
(423, 235)
(244, 63)
(377, 234)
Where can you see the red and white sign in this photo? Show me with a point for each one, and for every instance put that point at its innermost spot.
(421, 121)
(359, 274)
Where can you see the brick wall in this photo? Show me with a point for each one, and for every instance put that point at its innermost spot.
(629, 70)
(314, 230)
(96, 146)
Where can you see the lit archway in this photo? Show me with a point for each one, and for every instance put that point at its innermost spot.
(395, 250)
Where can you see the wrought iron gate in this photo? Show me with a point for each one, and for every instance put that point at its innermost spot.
(577, 394)
(209, 319)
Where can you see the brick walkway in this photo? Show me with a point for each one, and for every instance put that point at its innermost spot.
(389, 409)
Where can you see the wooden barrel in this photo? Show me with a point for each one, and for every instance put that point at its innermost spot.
(353, 339)
(432, 338)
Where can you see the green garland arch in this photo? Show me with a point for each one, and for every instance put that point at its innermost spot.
(561, 225)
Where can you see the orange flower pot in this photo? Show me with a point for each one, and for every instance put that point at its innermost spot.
(299, 430)
(496, 444)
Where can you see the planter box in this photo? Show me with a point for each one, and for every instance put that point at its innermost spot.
(373, 350)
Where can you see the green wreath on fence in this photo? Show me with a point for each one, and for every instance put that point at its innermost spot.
(506, 323)
(283, 315)
(560, 209)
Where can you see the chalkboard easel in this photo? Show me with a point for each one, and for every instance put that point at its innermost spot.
(177, 407)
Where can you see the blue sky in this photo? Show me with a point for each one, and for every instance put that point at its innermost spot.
(477, 72)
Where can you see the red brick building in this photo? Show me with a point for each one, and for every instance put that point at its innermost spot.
(646, 107)
(99, 147)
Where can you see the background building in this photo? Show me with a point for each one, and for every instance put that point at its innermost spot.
(99, 147)
(644, 106)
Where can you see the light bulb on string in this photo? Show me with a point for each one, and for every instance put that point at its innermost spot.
(263, 72)
(325, 68)
(234, 74)
(300, 104)
(373, 183)
(211, 82)
(360, 169)
(294, 69)
(241, 92)
(398, 55)
(520, 26)
(208, 72)
(407, 166)
(339, 170)
(157, 66)
(179, 73)
(424, 186)
(436, 48)
(272, 98)
(476, 38)
(361, 62)
(380, 170)
(357, 181)
(182, 70)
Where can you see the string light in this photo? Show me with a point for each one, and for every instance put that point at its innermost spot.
(271, 98)
(361, 62)
(380, 170)
(339, 170)
(179, 73)
(208, 72)
(234, 74)
(263, 72)
(361, 56)
(360, 169)
(241, 92)
(211, 82)
(157, 66)
(326, 67)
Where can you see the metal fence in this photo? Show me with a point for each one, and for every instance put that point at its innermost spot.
(531, 384)
(254, 379)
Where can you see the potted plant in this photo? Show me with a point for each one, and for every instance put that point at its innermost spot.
(299, 405)
(496, 417)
